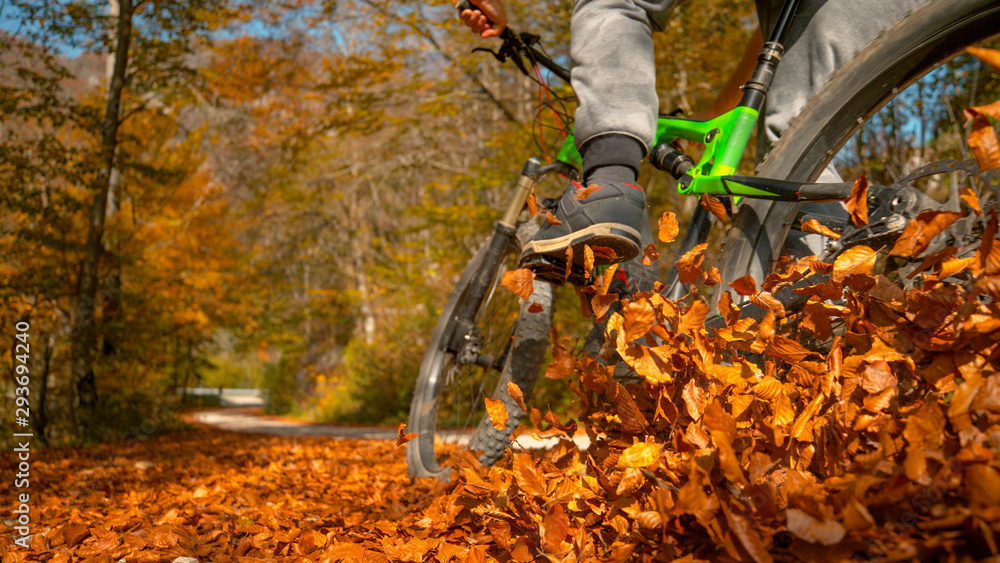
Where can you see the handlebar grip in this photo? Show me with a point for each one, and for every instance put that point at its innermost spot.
(463, 5)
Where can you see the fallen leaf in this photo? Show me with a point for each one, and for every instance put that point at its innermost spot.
(812, 529)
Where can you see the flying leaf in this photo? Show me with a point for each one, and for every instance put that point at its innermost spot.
(919, 232)
(983, 140)
(515, 393)
(744, 286)
(535, 307)
(583, 193)
(519, 282)
(668, 228)
(588, 259)
(404, 438)
(551, 219)
(971, 199)
(854, 260)
(532, 203)
(857, 202)
(650, 254)
(639, 318)
(988, 56)
(714, 206)
(497, 412)
(640, 454)
(814, 226)
(601, 303)
(689, 265)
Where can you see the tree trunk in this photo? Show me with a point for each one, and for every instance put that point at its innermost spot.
(41, 420)
(84, 338)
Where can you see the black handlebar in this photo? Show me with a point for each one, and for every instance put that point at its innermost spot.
(519, 46)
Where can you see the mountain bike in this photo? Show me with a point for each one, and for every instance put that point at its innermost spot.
(487, 337)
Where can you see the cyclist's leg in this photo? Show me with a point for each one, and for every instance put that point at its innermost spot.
(614, 78)
(824, 36)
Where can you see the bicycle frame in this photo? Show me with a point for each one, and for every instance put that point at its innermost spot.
(726, 137)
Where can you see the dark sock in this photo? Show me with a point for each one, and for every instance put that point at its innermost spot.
(604, 175)
(615, 152)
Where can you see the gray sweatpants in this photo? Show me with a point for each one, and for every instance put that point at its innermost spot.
(613, 73)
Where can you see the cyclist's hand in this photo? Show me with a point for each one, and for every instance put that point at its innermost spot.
(489, 20)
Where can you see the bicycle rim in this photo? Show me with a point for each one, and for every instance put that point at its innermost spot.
(506, 343)
(898, 58)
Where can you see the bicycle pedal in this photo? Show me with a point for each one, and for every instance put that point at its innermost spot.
(553, 270)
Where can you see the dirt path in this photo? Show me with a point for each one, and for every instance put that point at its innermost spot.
(251, 420)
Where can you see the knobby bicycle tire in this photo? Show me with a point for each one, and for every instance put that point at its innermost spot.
(901, 55)
(525, 345)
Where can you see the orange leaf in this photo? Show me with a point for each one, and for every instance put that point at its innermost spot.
(601, 303)
(814, 226)
(404, 438)
(857, 203)
(744, 286)
(689, 265)
(668, 227)
(535, 307)
(812, 529)
(532, 203)
(983, 140)
(640, 455)
(919, 232)
(650, 254)
(588, 259)
(854, 260)
(970, 197)
(552, 218)
(639, 318)
(555, 528)
(714, 206)
(765, 300)
(727, 309)
(519, 282)
(529, 478)
(515, 393)
(497, 412)
(583, 193)
(988, 56)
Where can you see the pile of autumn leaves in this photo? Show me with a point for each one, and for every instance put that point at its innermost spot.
(748, 445)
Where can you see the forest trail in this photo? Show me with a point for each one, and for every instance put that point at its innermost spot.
(253, 421)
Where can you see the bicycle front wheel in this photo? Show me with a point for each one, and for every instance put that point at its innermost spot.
(470, 359)
(900, 56)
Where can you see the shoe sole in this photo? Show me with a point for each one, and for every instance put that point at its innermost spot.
(612, 243)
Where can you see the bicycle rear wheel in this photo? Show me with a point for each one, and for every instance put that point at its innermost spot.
(900, 56)
(504, 342)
